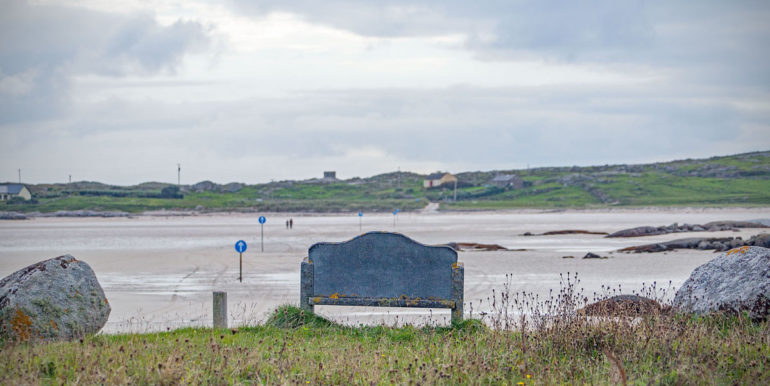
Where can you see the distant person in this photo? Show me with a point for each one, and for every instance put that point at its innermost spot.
(291, 223)
(287, 224)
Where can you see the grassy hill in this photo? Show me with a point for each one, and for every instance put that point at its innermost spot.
(737, 180)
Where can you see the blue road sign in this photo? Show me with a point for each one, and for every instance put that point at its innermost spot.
(262, 219)
(395, 212)
(240, 246)
(360, 213)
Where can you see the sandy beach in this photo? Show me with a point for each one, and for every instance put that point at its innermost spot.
(158, 272)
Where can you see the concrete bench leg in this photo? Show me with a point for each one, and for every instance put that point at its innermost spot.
(458, 278)
(306, 286)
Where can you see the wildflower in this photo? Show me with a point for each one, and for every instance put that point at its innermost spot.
(529, 376)
(520, 383)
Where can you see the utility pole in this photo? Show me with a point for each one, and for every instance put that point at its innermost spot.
(19, 175)
(178, 174)
(70, 178)
(398, 179)
(455, 199)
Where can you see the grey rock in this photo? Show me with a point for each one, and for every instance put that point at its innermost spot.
(58, 298)
(760, 240)
(639, 231)
(735, 281)
(714, 226)
(590, 255)
(763, 221)
(688, 243)
(12, 216)
(205, 186)
(727, 225)
(721, 244)
(233, 187)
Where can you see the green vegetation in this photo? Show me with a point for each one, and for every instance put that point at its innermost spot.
(739, 180)
(557, 345)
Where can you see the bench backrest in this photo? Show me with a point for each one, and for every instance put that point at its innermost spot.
(381, 267)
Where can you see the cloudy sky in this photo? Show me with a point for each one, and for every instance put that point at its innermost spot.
(253, 91)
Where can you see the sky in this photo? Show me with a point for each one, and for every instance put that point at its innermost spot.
(253, 91)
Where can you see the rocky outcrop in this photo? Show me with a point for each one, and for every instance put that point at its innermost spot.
(565, 232)
(476, 247)
(591, 255)
(736, 281)
(12, 216)
(714, 226)
(59, 298)
(727, 225)
(703, 243)
(622, 305)
(208, 186)
(639, 231)
(232, 187)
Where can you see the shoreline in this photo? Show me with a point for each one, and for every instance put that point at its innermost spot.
(14, 216)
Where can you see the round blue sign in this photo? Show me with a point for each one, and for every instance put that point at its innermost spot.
(262, 219)
(360, 213)
(395, 212)
(240, 246)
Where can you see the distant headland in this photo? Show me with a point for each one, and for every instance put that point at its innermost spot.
(736, 180)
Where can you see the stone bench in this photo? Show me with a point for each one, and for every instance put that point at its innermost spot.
(382, 269)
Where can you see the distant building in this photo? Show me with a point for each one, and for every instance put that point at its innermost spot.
(329, 176)
(9, 191)
(438, 179)
(508, 180)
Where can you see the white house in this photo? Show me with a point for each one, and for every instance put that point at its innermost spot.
(9, 191)
(438, 179)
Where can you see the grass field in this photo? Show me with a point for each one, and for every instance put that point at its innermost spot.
(554, 344)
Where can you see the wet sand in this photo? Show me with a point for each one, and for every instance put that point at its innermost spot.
(159, 272)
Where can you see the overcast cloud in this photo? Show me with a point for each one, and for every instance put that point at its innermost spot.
(253, 91)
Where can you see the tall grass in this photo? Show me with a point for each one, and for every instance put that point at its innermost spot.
(522, 340)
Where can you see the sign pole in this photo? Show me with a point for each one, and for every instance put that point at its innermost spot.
(262, 221)
(240, 247)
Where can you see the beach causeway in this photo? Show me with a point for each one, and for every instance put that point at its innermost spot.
(159, 272)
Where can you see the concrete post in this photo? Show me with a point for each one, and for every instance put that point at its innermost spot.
(220, 309)
(458, 289)
(306, 285)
